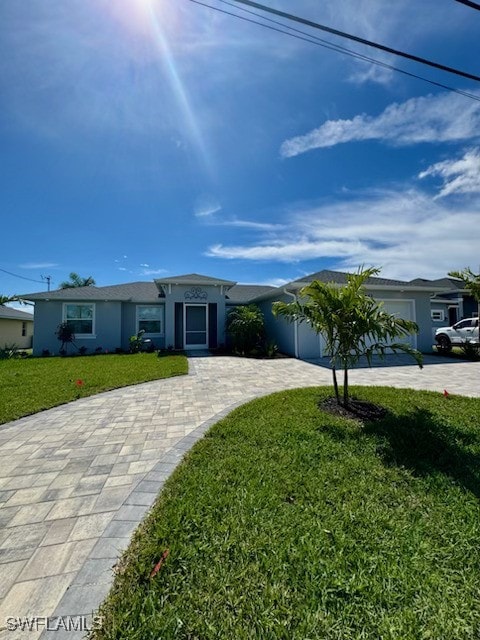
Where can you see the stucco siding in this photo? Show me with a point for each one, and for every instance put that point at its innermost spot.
(49, 314)
(183, 293)
(279, 330)
(311, 345)
(129, 325)
(11, 332)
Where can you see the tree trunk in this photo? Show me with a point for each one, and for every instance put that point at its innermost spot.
(346, 398)
(335, 384)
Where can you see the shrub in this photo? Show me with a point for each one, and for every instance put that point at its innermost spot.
(136, 341)
(470, 350)
(246, 326)
(66, 335)
(9, 351)
(271, 349)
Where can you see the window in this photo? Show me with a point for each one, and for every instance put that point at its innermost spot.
(465, 324)
(150, 319)
(438, 315)
(80, 316)
(24, 329)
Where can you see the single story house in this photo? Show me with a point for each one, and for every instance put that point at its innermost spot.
(452, 304)
(189, 312)
(404, 299)
(16, 327)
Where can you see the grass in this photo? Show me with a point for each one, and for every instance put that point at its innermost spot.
(287, 522)
(33, 384)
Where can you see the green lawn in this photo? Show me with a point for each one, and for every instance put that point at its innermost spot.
(287, 522)
(34, 384)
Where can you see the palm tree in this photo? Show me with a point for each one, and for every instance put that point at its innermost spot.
(352, 323)
(77, 281)
(246, 325)
(471, 282)
(8, 299)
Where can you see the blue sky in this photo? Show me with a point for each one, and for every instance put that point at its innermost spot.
(142, 138)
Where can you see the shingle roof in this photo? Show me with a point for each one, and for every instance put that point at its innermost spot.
(339, 277)
(244, 293)
(131, 291)
(14, 314)
(446, 283)
(193, 278)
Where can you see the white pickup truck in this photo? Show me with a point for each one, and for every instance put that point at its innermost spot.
(461, 332)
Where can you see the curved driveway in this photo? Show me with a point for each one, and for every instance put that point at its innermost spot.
(76, 480)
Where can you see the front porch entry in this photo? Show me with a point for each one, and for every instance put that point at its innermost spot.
(196, 326)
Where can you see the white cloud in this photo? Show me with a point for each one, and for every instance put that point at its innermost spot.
(407, 234)
(145, 265)
(153, 272)
(38, 265)
(447, 117)
(251, 224)
(275, 282)
(206, 206)
(459, 176)
(207, 211)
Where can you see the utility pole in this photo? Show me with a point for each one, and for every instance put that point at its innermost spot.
(47, 278)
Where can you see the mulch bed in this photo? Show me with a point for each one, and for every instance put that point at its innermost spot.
(357, 409)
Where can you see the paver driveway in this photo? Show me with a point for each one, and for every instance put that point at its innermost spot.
(75, 481)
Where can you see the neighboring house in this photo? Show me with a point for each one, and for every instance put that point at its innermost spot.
(16, 327)
(189, 311)
(452, 304)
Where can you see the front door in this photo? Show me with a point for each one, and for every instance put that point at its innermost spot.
(196, 326)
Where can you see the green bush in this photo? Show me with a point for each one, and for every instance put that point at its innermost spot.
(246, 328)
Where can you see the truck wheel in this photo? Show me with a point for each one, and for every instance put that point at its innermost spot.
(443, 344)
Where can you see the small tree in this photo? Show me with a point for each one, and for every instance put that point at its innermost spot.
(66, 335)
(246, 326)
(77, 281)
(471, 282)
(136, 341)
(352, 323)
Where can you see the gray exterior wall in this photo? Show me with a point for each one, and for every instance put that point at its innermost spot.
(129, 325)
(278, 330)
(213, 295)
(116, 321)
(49, 314)
(310, 345)
(470, 307)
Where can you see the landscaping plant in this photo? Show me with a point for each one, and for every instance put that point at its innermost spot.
(246, 327)
(66, 335)
(352, 323)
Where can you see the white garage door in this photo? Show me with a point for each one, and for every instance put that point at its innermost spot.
(402, 309)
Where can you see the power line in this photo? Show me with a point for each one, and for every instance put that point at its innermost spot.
(328, 45)
(15, 275)
(469, 3)
(369, 43)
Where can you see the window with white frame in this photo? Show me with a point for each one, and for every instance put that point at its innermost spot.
(81, 317)
(150, 319)
(438, 315)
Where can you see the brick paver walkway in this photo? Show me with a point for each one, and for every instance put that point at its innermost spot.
(75, 481)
